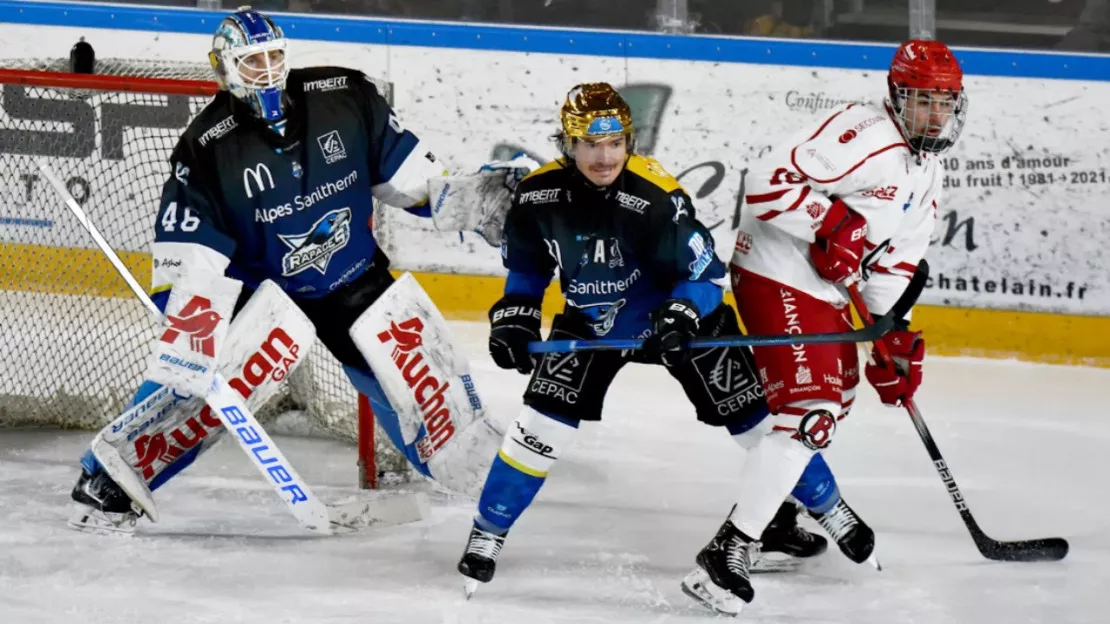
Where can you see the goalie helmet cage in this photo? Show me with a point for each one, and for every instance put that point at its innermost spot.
(75, 340)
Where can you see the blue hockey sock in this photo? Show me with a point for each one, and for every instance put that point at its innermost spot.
(816, 488)
(366, 383)
(530, 448)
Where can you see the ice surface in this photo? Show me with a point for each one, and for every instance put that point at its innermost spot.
(614, 530)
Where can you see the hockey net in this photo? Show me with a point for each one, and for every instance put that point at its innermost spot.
(75, 340)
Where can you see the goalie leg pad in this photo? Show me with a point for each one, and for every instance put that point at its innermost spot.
(426, 379)
(166, 431)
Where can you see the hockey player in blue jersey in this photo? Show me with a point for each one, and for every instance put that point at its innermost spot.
(274, 180)
(633, 262)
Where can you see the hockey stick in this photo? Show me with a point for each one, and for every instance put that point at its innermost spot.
(1045, 549)
(867, 334)
(236, 417)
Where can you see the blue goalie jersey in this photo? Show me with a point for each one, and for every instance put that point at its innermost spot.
(295, 207)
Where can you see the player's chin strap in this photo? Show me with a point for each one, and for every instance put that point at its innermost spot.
(1047, 549)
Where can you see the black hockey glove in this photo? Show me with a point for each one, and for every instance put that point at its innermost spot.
(676, 324)
(514, 322)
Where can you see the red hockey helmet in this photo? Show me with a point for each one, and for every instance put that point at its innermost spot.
(927, 94)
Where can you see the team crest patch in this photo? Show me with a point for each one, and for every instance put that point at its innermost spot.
(816, 429)
(314, 248)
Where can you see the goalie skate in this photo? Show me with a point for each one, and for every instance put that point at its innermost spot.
(101, 507)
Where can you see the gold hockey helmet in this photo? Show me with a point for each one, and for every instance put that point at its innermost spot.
(595, 109)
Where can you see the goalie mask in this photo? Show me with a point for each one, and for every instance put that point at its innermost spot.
(248, 55)
(927, 95)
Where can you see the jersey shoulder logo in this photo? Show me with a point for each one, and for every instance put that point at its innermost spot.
(679, 203)
(315, 248)
(218, 130)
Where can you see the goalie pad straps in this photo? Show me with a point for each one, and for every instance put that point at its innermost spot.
(437, 419)
(198, 315)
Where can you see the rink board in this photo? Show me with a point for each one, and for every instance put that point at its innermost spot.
(1016, 256)
(1033, 336)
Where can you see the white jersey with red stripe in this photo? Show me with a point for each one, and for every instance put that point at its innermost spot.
(857, 155)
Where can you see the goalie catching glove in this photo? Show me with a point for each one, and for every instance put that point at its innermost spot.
(478, 203)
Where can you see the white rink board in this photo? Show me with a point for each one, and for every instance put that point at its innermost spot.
(1005, 229)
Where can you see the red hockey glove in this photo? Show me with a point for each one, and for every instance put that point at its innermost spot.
(907, 348)
(838, 251)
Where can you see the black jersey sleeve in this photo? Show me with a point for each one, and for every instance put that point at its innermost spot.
(524, 249)
(400, 164)
(679, 247)
(188, 212)
(188, 231)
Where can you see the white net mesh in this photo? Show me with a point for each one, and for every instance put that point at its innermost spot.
(76, 340)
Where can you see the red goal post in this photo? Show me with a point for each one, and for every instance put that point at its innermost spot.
(75, 339)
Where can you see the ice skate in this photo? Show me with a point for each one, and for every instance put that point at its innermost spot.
(479, 561)
(101, 506)
(721, 579)
(855, 538)
(785, 545)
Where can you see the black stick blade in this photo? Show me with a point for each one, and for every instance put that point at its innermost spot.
(1048, 549)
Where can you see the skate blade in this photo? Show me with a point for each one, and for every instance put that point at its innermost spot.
(701, 588)
(96, 522)
(775, 562)
(469, 587)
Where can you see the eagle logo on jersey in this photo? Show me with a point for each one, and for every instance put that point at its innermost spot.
(314, 248)
(602, 315)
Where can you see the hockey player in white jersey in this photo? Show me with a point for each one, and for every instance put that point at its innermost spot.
(271, 189)
(853, 197)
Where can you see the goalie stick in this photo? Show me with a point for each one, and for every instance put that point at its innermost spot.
(242, 425)
(1044, 549)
